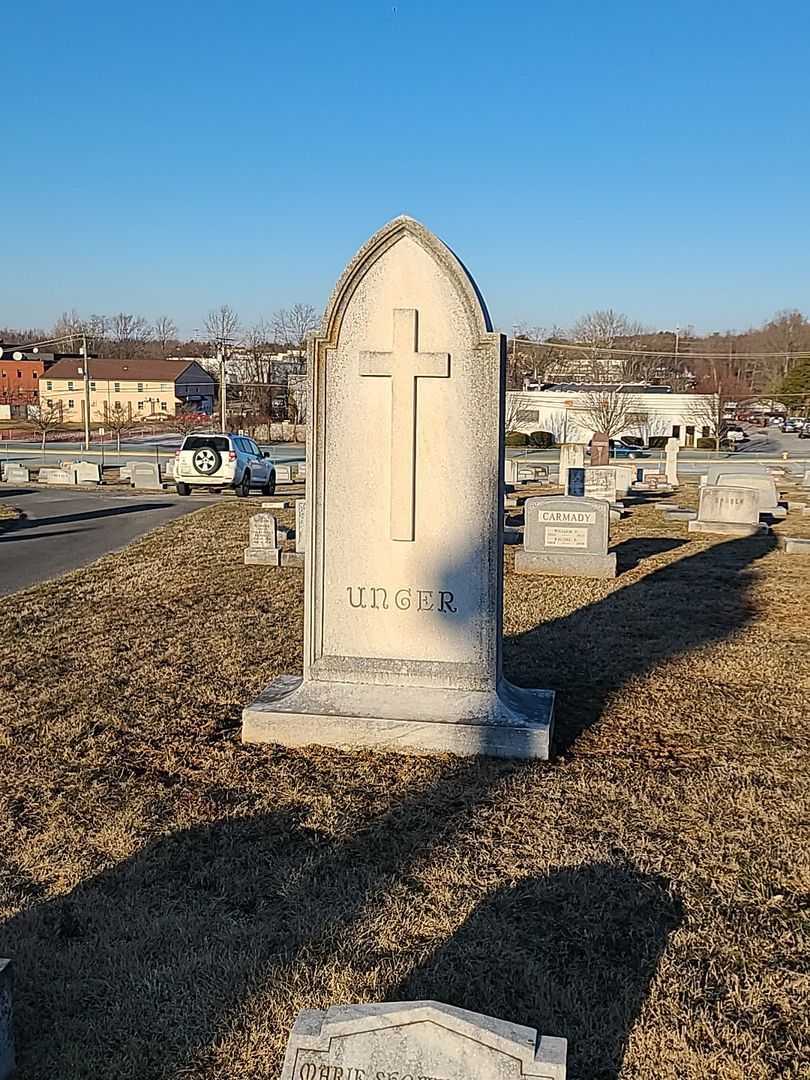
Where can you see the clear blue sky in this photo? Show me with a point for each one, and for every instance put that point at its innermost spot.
(174, 156)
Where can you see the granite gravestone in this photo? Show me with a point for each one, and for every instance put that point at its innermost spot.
(576, 481)
(600, 483)
(56, 476)
(417, 1040)
(572, 456)
(17, 474)
(86, 472)
(284, 474)
(263, 546)
(625, 477)
(301, 472)
(763, 485)
(565, 536)
(730, 466)
(403, 619)
(145, 475)
(732, 511)
(600, 449)
(673, 446)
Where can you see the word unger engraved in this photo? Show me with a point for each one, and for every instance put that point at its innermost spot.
(375, 596)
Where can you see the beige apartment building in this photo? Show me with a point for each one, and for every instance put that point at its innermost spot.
(141, 388)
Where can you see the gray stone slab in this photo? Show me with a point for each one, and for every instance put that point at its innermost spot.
(284, 474)
(17, 474)
(403, 625)
(796, 545)
(292, 558)
(301, 470)
(262, 556)
(549, 565)
(145, 475)
(263, 531)
(600, 482)
(726, 528)
(276, 504)
(86, 472)
(730, 465)
(417, 1040)
(566, 524)
(6, 1019)
(681, 515)
(56, 476)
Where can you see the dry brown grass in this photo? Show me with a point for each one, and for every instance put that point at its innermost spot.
(172, 897)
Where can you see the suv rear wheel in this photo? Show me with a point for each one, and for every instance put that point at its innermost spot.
(182, 489)
(207, 460)
(243, 489)
(270, 487)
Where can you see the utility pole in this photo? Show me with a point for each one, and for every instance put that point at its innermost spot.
(223, 407)
(86, 370)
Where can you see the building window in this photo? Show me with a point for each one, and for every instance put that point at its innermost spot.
(705, 433)
(35, 375)
(528, 416)
(676, 431)
(70, 385)
(92, 384)
(117, 387)
(163, 406)
(49, 386)
(164, 386)
(140, 406)
(140, 387)
(19, 374)
(71, 403)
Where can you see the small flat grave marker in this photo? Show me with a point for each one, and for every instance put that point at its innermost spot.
(417, 1040)
(263, 546)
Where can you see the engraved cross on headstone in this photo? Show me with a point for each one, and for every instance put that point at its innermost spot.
(404, 365)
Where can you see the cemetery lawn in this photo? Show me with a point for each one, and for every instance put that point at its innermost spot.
(172, 897)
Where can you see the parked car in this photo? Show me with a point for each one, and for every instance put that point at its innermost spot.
(219, 461)
(620, 449)
(804, 430)
(734, 433)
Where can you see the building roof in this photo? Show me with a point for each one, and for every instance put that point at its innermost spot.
(605, 388)
(121, 370)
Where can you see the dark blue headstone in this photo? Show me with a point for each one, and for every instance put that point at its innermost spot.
(576, 482)
(639, 474)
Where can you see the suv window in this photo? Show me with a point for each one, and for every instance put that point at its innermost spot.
(215, 442)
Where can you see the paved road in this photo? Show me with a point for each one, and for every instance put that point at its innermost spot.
(29, 452)
(64, 529)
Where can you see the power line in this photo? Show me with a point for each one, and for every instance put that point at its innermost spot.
(659, 353)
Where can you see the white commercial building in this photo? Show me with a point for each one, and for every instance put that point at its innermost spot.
(653, 411)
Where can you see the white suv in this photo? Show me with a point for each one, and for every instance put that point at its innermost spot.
(218, 461)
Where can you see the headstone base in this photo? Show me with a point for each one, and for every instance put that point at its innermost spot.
(509, 723)
(727, 528)
(262, 556)
(795, 545)
(292, 558)
(542, 564)
(679, 514)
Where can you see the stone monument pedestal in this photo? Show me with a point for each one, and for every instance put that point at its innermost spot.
(546, 565)
(510, 722)
(726, 528)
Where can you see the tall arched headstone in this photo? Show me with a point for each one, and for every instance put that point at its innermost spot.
(403, 583)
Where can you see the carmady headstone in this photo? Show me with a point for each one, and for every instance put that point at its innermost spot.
(566, 537)
(417, 1040)
(403, 618)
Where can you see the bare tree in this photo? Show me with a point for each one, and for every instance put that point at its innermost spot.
(609, 411)
(69, 325)
(128, 333)
(187, 421)
(164, 332)
(222, 327)
(291, 325)
(120, 421)
(598, 331)
(44, 418)
(718, 390)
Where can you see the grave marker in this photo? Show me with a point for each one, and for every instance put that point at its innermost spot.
(86, 472)
(566, 536)
(600, 449)
(403, 620)
(673, 447)
(732, 511)
(263, 546)
(284, 474)
(600, 482)
(763, 485)
(572, 456)
(145, 475)
(17, 474)
(417, 1040)
(53, 475)
(576, 481)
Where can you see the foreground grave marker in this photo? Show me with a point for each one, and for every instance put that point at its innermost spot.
(263, 546)
(403, 622)
(566, 536)
(417, 1040)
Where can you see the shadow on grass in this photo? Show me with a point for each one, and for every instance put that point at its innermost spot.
(629, 553)
(589, 655)
(142, 971)
(571, 953)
